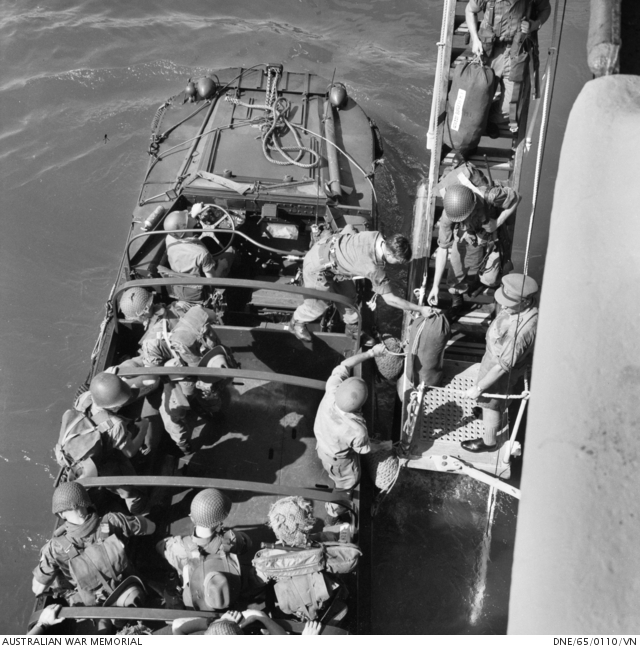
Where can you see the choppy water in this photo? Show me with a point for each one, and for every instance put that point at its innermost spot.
(78, 89)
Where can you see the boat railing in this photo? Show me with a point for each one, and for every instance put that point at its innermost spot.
(144, 614)
(222, 372)
(423, 221)
(228, 282)
(188, 482)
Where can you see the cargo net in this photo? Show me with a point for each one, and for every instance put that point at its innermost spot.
(449, 417)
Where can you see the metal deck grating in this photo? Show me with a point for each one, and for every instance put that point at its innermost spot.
(449, 417)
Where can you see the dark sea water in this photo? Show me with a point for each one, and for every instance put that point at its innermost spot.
(79, 85)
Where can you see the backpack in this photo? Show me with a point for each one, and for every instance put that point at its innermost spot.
(198, 568)
(188, 292)
(303, 583)
(194, 335)
(97, 568)
(281, 562)
(81, 436)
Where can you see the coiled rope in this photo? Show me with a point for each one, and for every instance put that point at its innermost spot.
(274, 126)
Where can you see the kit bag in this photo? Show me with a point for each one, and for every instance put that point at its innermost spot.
(428, 339)
(468, 105)
(80, 437)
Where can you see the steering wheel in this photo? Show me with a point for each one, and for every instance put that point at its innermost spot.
(216, 223)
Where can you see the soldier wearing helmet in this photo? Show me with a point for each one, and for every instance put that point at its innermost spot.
(106, 395)
(136, 304)
(331, 265)
(340, 428)
(510, 340)
(207, 560)
(187, 254)
(83, 546)
(471, 216)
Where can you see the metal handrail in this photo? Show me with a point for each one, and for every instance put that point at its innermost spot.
(228, 282)
(232, 233)
(223, 372)
(185, 482)
(147, 614)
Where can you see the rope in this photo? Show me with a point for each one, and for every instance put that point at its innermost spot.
(277, 121)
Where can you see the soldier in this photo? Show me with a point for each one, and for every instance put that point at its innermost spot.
(331, 265)
(178, 335)
(94, 439)
(510, 341)
(188, 255)
(505, 26)
(340, 428)
(86, 559)
(466, 227)
(304, 569)
(207, 559)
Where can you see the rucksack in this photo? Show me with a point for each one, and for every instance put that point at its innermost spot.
(194, 335)
(81, 436)
(303, 580)
(188, 292)
(225, 563)
(281, 562)
(97, 568)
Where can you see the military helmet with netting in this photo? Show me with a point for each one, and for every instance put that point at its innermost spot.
(292, 519)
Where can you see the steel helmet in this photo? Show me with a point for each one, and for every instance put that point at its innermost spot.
(177, 221)
(109, 391)
(224, 627)
(218, 594)
(351, 394)
(135, 303)
(291, 520)
(209, 508)
(459, 202)
(69, 495)
(130, 592)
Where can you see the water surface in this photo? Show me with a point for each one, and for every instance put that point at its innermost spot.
(79, 86)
